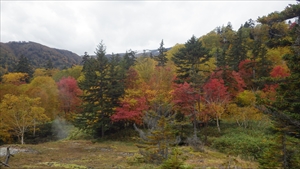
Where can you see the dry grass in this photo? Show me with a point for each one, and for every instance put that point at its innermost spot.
(106, 155)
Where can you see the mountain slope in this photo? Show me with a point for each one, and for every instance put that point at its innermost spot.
(37, 54)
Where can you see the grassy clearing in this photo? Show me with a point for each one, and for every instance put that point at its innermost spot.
(108, 154)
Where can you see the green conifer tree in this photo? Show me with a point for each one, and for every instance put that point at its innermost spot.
(238, 51)
(24, 66)
(161, 57)
(102, 87)
(187, 60)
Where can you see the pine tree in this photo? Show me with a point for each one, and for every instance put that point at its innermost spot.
(187, 60)
(23, 66)
(285, 110)
(102, 87)
(238, 51)
(289, 90)
(261, 65)
(161, 57)
(159, 137)
(220, 59)
(116, 83)
(128, 60)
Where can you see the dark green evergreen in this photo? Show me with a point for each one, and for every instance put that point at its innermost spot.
(161, 57)
(288, 99)
(187, 60)
(285, 110)
(102, 86)
(261, 65)
(49, 64)
(220, 58)
(128, 60)
(24, 66)
(238, 51)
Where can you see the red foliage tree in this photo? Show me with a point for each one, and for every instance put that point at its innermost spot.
(215, 91)
(69, 93)
(246, 71)
(184, 98)
(216, 97)
(279, 72)
(232, 80)
(131, 78)
(131, 110)
(135, 101)
(270, 89)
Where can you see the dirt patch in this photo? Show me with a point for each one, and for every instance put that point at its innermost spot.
(13, 150)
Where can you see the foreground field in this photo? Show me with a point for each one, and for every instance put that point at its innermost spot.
(87, 155)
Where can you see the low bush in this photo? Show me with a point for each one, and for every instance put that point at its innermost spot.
(242, 142)
(175, 161)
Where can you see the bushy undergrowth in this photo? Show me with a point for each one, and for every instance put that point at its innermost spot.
(248, 143)
(175, 161)
(245, 144)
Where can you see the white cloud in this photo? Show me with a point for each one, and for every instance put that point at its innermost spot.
(79, 26)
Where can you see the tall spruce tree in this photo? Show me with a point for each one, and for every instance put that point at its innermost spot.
(161, 57)
(24, 66)
(102, 87)
(261, 65)
(238, 51)
(128, 60)
(285, 110)
(187, 61)
(116, 83)
(220, 58)
(288, 99)
(285, 113)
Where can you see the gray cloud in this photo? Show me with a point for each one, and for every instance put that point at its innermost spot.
(79, 26)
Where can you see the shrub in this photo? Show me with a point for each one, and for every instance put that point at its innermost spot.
(175, 161)
(241, 143)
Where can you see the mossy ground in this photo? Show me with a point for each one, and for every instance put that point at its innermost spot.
(108, 154)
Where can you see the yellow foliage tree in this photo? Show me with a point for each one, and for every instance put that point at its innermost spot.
(243, 115)
(145, 68)
(44, 72)
(15, 78)
(246, 98)
(20, 113)
(45, 88)
(5, 136)
(276, 54)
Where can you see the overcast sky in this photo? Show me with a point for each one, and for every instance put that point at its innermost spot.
(79, 26)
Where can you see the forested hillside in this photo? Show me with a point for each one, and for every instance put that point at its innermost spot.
(235, 91)
(38, 55)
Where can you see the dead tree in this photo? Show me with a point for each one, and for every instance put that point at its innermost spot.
(6, 158)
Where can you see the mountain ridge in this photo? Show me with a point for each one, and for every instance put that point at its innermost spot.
(37, 54)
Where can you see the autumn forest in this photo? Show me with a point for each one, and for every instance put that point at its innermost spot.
(237, 92)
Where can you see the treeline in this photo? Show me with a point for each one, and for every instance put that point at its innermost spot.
(247, 78)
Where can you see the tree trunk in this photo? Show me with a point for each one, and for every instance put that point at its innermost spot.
(22, 138)
(102, 131)
(285, 155)
(218, 124)
(195, 125)
(34, 128)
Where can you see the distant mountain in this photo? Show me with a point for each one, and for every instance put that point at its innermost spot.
(139, 53)
(37, 54)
